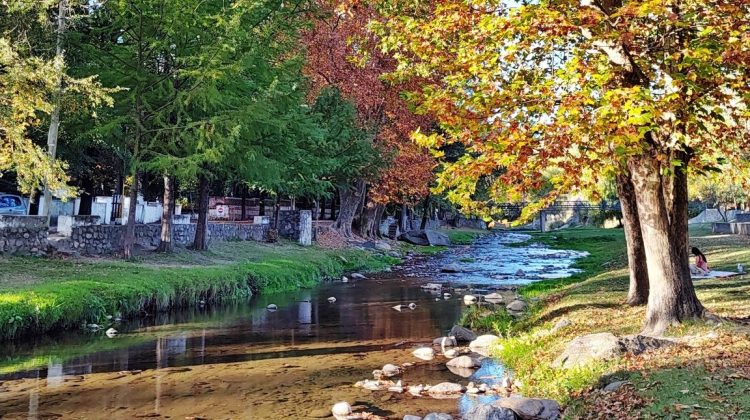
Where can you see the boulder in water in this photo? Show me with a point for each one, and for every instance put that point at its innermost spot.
(111, 332)
(332, 299)
(451, 268)
(341, 410)
(444, 342)
(463, 362)
(272, 307)
(425, 238)
(424, 353)
(358, 276)
(462, 334)
(446, 390)
(391, 370)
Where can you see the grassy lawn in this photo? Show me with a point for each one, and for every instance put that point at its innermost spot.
(38, 295)
(709, 375)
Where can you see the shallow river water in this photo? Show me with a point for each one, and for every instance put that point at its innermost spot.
(245, 361)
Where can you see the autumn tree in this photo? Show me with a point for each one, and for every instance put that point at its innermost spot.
(644, 91)
(342, 53)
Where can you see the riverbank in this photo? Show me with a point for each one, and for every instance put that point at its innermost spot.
(39, 295)
(42, 295)
(705, 374)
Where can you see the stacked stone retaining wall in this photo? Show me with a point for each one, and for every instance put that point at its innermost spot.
(107, 239)
(23, 235)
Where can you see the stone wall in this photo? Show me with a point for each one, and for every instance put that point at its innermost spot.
(288, 225)
(107, 239)
(23, 235)
(731, 228)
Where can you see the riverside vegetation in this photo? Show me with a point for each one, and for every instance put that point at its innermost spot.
(44, 295)
(705, 375)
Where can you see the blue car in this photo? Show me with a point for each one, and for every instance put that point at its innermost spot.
(12, 204)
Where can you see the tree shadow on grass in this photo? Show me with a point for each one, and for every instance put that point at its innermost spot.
(712, 286)
(572, 308)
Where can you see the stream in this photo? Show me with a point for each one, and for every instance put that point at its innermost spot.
(244, 361)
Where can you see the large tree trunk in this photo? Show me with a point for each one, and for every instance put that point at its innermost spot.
(128, 240)
(672, 297)
(404, 223)
(425, 212)
(638, 291)
(371, 224)
(350, 197)
(165, 242)
(200, 243)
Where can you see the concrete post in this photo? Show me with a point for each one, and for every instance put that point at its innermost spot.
(305, 227)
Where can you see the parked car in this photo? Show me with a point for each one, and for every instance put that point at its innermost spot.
(11, 204)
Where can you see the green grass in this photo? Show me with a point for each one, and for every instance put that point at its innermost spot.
(483, 319)
(464, 236)
(42, 295)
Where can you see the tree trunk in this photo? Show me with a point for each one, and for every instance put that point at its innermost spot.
(371, 222)
(638, 291)
(54, 125)
(425, 212)
(243, 211)
(200, 243)
(165, 243)
(672, 297)
(128, 240)
(350, 198)
(333, 207)
(404, 220)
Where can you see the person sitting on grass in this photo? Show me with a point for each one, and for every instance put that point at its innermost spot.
(701, 263)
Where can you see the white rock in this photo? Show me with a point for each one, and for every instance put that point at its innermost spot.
(463, 362)
(412, 306)
(424, 353)
(517, 306)
(446, 295)
(332, 299)
(470, 299)
(341, 410)
(345, 279)
(272, 307)
(451, 353)
(446, 389)
(111, 332)
(494, 298)
(358, 276)
(483, 343)
(415, 390)
(391, 370)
